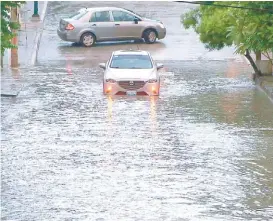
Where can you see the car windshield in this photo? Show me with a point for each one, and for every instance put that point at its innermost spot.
(78, 14)
(131, 62)
(133, 12)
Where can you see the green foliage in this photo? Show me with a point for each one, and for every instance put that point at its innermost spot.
(247, 29)
(6, 25)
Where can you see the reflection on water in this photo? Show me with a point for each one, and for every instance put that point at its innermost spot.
(149, 99)
(110, 107)
(153, 116)
(151, 111)
(68, 64)
(230, 105)
(102, 51)
(232, 70)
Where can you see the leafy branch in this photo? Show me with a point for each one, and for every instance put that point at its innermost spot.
(8, 27)
(248, 30)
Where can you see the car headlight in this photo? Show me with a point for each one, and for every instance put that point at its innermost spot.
(161, 25)
(152, 81)
(110, 80)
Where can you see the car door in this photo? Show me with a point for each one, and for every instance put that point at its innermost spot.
(102, 25)
(125, 25)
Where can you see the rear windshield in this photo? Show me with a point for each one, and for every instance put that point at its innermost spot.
(78, 14)
(131, 62)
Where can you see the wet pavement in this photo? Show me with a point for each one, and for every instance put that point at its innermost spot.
(27, 34)
(202, 150)
(180, 44)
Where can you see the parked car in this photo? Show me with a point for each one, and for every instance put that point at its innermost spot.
(90, 25)
(129, 72)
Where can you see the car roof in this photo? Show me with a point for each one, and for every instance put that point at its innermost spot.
(103, 8)
(126, 52)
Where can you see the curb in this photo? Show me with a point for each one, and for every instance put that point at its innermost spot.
(7, 94)
(10, 87)
(261, 83)
(38, 37)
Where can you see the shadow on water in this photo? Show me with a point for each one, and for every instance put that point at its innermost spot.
(107, 44)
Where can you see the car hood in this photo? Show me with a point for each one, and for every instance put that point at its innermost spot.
(131, 74)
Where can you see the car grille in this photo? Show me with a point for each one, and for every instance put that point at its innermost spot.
(131, 85)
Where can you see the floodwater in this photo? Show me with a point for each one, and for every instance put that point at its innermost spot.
(202, 150)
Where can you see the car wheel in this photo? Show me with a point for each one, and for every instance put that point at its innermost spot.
(150, 36)
(88, 39)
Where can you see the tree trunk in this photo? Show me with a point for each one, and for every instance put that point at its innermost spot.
(2, 60)
(14, 40)
(258, 55)
(254, 66)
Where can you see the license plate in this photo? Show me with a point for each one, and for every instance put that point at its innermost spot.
(131, 93)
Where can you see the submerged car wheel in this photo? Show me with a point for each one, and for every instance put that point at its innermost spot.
(88, 39)
(149, 36)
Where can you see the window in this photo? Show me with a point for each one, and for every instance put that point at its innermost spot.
(122, 16)
(78, 14)
(131, 62)
(103, 16)
(133, 12)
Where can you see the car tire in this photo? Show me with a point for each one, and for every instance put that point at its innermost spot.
(88, 39)
(150, 36)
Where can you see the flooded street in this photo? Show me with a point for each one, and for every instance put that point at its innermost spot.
(202, 150)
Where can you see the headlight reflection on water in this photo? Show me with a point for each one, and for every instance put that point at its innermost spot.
(151, 112)
(109, 123)
(153, 116)
(110, 107)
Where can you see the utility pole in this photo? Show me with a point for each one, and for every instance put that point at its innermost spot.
(36, 15)
(14, 40)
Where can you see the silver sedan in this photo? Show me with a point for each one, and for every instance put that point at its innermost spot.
(90, 25)
(131, 73)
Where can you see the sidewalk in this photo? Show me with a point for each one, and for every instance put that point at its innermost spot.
(265, 83)
(29, 37)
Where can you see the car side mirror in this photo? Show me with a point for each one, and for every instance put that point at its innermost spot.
(102, 65)
(136, 20)
(159, 66)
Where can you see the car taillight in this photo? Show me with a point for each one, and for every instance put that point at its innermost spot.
(69, 27)
(110, 81)
(108, 89)
(152, 80)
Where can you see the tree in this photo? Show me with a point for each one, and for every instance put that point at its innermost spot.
(7, 25)
(247, 25)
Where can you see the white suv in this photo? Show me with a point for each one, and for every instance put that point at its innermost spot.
(131, 73)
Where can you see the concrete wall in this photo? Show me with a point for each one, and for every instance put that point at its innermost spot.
(6, 58)
(265, 67)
